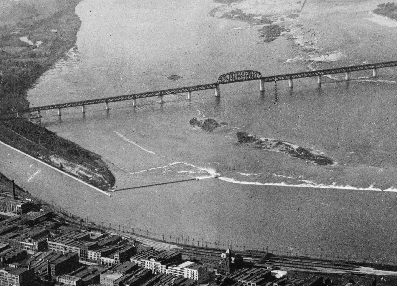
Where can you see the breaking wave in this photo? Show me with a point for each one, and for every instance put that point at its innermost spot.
(309, 184)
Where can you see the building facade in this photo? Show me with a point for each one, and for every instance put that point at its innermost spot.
(15, 277)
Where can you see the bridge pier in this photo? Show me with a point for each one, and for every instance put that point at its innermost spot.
(290, 83)
(347, 76)
(59, 112)
(319, 81)
(189, 95)
(217, 91)
(374, 72)
(261, 85)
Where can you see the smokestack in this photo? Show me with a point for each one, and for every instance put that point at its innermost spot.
(13, 190)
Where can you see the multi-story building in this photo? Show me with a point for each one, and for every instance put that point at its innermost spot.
(12, 255)
(155, 266)
(189, 270)
(116, 275)
(34, 241)
(229, 262)
(158, 264)
(109, 261)
(124, 254)
(70, 280)
(15, 277)
(15, 206)
(108, 278)
(137, 277)
(70, 242)
(64, 264)
(140, 257)
(116, 254)
(110, 240)
(95, 255)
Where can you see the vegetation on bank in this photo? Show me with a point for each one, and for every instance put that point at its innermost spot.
(388, 9)
(51, 32)
(34, 34)
(57, 151)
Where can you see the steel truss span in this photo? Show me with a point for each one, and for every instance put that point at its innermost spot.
(231, 77)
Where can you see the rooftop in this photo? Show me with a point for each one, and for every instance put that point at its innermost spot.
(112, 275)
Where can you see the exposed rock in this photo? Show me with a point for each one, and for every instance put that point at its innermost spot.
(280, 146)
(244, 137)
(208, 124)
(270, 32)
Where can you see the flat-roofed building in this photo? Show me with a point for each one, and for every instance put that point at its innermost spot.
(15, 205)
(95, 255)
(189, 270)
(137, 277)
(124, 254)
(64, 264)
(73, 241)
(33, 245)
(140, 257)
(70, 280)
(15, 277)
(12, 255)
(116, 254)
(83, 276)
(108, 278)
(158, 264)
(110, 240)
(109, 261)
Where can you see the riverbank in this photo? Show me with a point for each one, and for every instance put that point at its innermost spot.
(32, 40)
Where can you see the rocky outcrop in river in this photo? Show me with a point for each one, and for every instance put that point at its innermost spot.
(285, 147)
(208, 124)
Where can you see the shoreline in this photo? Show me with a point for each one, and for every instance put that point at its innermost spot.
(26, 53)
(48, 165)
(292, 141)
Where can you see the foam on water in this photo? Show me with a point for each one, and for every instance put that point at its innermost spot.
(134, 143)
(309, 184)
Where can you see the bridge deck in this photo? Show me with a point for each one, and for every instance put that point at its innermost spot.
(211, 86)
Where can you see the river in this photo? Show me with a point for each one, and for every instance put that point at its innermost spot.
(243, 196)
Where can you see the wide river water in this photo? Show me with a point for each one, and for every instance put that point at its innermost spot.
(260, 198)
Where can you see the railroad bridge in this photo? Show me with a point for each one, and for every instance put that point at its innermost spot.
(231, 77)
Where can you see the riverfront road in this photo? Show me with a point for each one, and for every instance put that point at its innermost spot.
(237, 76)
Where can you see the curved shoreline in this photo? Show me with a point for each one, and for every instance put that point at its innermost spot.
(23, 60)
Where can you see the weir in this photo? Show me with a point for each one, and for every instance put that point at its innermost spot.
(231, 77)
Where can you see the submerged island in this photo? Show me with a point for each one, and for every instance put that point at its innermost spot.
(285, 147)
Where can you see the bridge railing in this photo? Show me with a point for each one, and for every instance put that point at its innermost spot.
(329, 71)
(231, 77)
(123, 97)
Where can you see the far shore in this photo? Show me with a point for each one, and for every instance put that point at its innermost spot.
(26, 51)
